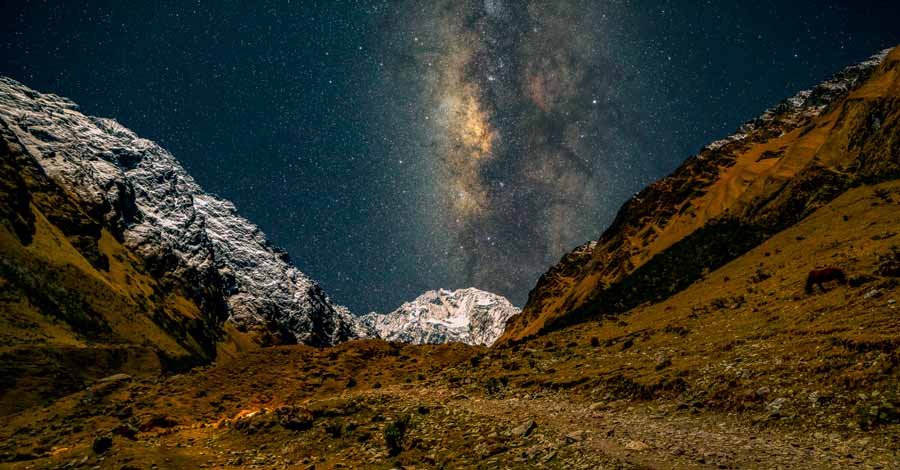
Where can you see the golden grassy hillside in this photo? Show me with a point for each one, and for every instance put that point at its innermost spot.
(779, 173)
(75, 304)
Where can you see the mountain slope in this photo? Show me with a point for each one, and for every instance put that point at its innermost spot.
(75, 304)
(729, 197)
(112, 259)
(147, 201)
(740, 370)
(469, 316)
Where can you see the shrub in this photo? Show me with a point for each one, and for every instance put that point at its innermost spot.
(760, 276)
(394, 433)
(335, 429)
(492, 386)
(889, 263)
(878, 410)
(474, 361)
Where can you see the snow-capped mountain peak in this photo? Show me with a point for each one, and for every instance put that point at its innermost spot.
(470, 316)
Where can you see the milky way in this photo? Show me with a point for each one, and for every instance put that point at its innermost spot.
(524, 120)
(397, 146)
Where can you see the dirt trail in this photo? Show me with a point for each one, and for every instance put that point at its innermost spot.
(617, 435)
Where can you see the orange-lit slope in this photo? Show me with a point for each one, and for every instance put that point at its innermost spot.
(775, 169)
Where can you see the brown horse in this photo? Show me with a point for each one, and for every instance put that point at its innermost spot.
(818, 277)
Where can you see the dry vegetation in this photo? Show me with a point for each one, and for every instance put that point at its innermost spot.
(854, 140)
(740, 370)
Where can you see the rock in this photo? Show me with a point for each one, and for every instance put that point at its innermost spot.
(662, 362)
(126, 430)
(157, 421)
(597, 406)
(294, 417)
(873, 294)
(115, 378)
(762, 392)
(524, 429)
(101, 444)
(575, 436)
(636, 446)
(104, 386)
(491, 450)
(774, 407)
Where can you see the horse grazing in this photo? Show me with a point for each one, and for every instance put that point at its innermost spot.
(818, 277)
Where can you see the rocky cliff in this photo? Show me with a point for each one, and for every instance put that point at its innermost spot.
(148, 202)
(112, 258)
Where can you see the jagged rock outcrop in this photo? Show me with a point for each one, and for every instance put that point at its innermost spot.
(468, 316)
(148, 202)
(737, 191)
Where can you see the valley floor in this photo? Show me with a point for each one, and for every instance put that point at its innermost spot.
(447, 429)
(741, 370)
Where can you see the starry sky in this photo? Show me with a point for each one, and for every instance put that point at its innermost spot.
(398, 146)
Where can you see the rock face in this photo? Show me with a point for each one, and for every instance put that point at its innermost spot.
(145, 198)
(773, 171)
(468, 316)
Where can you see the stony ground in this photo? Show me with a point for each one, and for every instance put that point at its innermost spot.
(741, 370)
(446, 428)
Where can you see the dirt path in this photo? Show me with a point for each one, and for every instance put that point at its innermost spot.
(573, 435)
(510, 430)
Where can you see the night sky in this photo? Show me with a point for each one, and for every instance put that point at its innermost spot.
(396, 147)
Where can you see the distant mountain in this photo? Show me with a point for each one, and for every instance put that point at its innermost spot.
(735, 193)
(468, 316)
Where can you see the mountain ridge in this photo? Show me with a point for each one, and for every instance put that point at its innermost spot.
(150, 203)
(770, 173)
